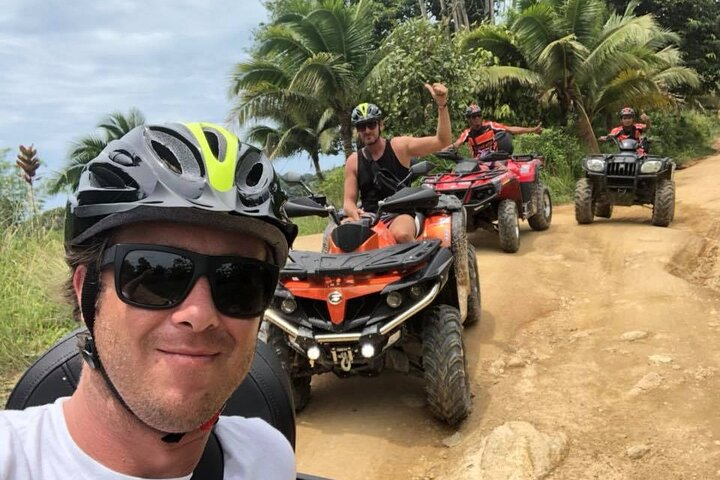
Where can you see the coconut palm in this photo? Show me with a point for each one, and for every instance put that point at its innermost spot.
(582, 58)
(313, 133)
(112, 127)
(315, 56)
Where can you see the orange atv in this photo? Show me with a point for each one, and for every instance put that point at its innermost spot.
(368, 303)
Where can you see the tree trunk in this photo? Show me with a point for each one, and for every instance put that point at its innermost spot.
(586, 130)
(316, 162)
(423, 9)
(346, 132)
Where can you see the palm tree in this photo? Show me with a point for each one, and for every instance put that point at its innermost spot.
(312, 133)
(315, 56)
(582, 59)
(87, 148)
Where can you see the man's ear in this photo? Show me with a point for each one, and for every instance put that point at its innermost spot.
(78, 279)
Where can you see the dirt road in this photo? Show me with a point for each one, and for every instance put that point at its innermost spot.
(549, 351)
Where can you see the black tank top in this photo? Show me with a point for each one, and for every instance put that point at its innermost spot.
(378, 179)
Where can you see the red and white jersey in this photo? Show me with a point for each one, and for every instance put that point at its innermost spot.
(482, 139)
(634, 131)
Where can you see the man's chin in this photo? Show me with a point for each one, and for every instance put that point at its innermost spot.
(177, 413)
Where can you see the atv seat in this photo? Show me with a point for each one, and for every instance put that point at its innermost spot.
(349, 236)
(467, 166)
(264, 393)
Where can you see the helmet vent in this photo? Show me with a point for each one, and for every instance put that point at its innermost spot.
(255, 174)
(167, 156)
(106, 176)
(212, 140)
(177, 153)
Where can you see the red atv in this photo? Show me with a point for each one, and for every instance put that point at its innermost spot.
(369, 304)
(497, 190)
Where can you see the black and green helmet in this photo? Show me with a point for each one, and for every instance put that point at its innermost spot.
(366, 112)
(197, 173)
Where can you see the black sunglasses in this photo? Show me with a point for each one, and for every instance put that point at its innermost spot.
(158, 277)
(476, 115)
(361, 127)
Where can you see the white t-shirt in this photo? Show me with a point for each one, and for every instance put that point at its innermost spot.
(35, 444)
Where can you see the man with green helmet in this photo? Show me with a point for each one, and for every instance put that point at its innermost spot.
(174, 238)
(373, 172)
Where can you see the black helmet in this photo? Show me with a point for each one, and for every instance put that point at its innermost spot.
(627, 112)
(472, 109)
(366, 112)
(196, 173)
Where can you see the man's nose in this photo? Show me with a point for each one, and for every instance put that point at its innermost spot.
(198, 310)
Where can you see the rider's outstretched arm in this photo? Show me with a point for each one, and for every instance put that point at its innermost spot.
(522, 130)
(406, 147)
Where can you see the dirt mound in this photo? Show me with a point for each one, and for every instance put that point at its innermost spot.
(698, 261)
(514, 451)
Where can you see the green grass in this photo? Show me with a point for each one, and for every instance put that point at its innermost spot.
(33, 313)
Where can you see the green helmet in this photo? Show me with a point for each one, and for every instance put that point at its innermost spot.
(366, 112)
(196, 173)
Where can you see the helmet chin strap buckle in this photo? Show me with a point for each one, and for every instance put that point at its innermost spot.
(86, 345)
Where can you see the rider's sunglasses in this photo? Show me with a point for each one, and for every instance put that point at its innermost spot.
(476, 115)
(361, 127)
(627, 117)
(159, 277)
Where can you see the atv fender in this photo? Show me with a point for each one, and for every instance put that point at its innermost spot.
(462, 271)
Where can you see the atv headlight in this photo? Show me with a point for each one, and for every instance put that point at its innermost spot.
(394, 299)
(288, 306)
(595, 165)
(651, 166)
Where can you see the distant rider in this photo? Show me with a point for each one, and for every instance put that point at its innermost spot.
(628, 128)
(481, 133)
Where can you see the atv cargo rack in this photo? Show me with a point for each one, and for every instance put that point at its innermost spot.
(398, 257)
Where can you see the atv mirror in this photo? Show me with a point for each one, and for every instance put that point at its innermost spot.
(449, 154)
(422, 168)
(292, 177)
(504, 142)
(304, 207)
(409, 200)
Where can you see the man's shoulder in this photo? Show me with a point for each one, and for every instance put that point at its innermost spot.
(22, 436)
(640, 126)
(253, 446)
(19, 420)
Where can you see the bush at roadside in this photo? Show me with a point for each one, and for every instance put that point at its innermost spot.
(684, 135)
(563, 154)
(33, 313)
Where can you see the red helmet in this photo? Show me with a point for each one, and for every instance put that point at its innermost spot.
(627, 112)
(472, 109)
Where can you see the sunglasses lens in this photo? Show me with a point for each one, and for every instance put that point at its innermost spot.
(155, 279)
(366, 126)
(243, 289)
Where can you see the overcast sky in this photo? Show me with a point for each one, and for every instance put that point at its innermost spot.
(66, 64)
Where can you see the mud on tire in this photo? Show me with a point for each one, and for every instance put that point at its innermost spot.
(664, 206)
(583, 201)
(474, 305)
(299, 382)
(446, 380)
(542, 219)
(508, 226)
